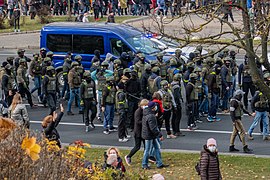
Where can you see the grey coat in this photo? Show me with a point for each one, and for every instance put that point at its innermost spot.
(19, 114)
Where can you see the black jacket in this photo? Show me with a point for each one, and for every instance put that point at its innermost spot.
(133, 87)
(138, 115)
(149, 125)
(50, 131)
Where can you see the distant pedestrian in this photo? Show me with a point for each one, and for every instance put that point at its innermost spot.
(111, 18)
(209, 162)
(17, 15)
(85, 18)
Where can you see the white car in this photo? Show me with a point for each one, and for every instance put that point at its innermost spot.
(169, 47)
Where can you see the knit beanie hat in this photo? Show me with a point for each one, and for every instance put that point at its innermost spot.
(151, 104)
(158, 177)
(211, 141)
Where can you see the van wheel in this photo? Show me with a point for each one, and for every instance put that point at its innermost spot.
(60, 78)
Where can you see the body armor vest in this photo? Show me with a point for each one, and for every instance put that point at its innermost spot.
(101, 81)
(89, 90)
(163, 70)
(121, 104)
(116, 74)
(11, 82)
(166, 100)
(171, 73)
(152, 84)
(262, 103)
(51, 87)
(140, 69)
(238, 111)
(194, 96)
(111, 96)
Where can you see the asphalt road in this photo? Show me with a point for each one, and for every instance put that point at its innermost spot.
(71, 128)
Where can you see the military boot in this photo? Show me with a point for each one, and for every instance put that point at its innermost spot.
(232, 149)
(247, 150)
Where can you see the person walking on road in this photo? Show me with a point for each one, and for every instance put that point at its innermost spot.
(260, 106)
(209, 162)
(236, 112)
(152, 135)
(137, 131)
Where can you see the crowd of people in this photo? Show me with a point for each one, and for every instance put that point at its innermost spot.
(145, 94)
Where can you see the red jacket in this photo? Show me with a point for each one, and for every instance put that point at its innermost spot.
(159, 103)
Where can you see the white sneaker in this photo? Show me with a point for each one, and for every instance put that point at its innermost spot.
(128, 136)
(19, 30)
(171, 136)
(123, 140)
(86, 128)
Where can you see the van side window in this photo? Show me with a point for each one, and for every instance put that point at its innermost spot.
(59, 42)
(85, 44)
(118, 47)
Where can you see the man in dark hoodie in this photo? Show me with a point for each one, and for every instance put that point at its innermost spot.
(151, 135)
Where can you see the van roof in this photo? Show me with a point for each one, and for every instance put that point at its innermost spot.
(120, 29)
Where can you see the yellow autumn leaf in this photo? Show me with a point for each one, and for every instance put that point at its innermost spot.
(87, 145)
(31, 148)
(28, 143)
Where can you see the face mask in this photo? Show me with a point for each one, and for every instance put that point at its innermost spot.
(128, 75)
(227, 65)
(88, 80)
(8, 71)
(212, 148)
(148, 71)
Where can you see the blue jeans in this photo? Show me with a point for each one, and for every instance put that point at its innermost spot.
(264, 118)
(148, 146)
(37, 84)
(65, 88)
(152, 151)
(214, 105)
(108, 116)
(74, 92)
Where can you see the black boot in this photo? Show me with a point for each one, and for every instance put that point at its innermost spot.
(232, 149)
(247, 150)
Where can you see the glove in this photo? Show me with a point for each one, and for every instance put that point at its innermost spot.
(82, 103)
(209, 95)
(227, 88)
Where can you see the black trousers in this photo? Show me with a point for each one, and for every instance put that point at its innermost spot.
(248, 86)
(89, 105)
(137, 147)
(193, 111)
(167, 117)
(176, 118)
(132, 106)
(23, 90)
(51, 101)
(122, 124)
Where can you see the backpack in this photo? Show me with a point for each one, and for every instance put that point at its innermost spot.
(198, 165)
(152, 84)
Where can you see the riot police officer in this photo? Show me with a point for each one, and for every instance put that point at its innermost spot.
(144, 82)
(35, 71)
(168, 104)
(139, 67)
(66, 69)
(99, 76)
(107, 104)
(227, 82)
(245, 81)
(88, 100)
(154, 80)
(9, 84)
(177, 115)
(172, 70)
(74, 81)
(50, 88)
(192, 101)
(121, 105)
(23, 81)
(20, 56)
(118, 70)
(163, 66)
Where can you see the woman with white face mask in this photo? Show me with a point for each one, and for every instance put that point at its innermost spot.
(209, 163)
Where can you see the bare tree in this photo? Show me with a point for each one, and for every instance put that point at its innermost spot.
(206, 26)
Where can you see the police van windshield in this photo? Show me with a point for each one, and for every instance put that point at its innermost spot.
(143, 44)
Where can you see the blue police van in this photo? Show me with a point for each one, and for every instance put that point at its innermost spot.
(85, 38)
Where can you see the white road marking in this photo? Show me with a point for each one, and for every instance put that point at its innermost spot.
(184, 130)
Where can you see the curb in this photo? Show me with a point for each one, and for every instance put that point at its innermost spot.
(180, 151)
(134, 20)
(19, 33)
